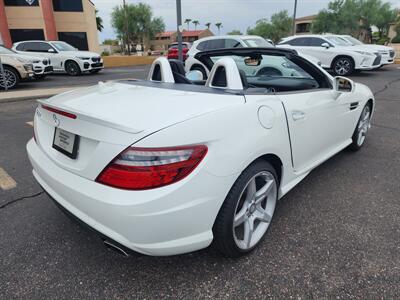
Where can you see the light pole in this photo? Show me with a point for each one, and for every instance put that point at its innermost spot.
(179, 27)
(294, 17)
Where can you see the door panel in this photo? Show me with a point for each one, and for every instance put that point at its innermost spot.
(319, 122)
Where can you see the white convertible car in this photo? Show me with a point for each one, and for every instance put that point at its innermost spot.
(170, 165)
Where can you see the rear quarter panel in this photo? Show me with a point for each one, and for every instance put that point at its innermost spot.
(234, 136)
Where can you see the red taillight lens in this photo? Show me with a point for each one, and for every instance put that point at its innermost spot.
(149, 168)
(58, 111)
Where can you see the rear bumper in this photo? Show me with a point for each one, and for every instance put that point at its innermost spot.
(166, 221)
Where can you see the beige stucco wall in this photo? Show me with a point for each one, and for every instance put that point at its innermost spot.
(24, 17)
(80, 22)
(392, 31)
(32, 18)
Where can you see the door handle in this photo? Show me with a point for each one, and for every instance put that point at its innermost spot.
(298, 115)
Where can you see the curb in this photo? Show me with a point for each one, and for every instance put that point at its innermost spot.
(15, 96)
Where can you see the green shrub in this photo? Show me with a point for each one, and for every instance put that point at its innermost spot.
(396, 39)
(105, 53)
(383, 41)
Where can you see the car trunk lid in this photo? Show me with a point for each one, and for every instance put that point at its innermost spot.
(113, 116)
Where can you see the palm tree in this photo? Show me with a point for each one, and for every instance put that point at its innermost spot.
(99, 22)
(196, 23)
(219, 25)
(208, 25)
(187, 21)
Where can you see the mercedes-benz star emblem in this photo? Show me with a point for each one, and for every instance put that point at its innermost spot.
(56, 121)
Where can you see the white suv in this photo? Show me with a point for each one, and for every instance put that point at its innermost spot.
(64, 57)
(388, 53)
(334, 53)
(220, 42)
(41, 65)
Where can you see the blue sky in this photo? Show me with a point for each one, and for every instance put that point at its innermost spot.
(234, 14)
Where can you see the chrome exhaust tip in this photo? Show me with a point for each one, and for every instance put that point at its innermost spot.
(115, 248)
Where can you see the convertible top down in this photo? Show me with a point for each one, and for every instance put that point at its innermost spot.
(168, 165)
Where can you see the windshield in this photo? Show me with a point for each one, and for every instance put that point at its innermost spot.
(254, 42)
(62, 46)
(352, 40)
(273, 72)
(4, 50)
(337, 41)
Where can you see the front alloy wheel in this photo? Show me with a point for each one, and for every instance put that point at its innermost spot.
(10, 79)
(72, 68)
(363, 125)
(247, 212)
(343, 66)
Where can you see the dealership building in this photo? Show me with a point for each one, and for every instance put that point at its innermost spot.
(72, 21)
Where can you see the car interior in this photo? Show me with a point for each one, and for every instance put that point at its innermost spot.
(252, 74)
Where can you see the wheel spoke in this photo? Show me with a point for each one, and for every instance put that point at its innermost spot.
(264, 191)
(240, 217)
(262, 215)
(251, 191)
(248, 232)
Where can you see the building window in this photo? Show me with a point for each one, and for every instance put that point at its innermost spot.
(70, 5)
(21, 2)
(303, 27)
(18, 35)
(76, 39)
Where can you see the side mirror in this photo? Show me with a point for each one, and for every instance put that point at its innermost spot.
(343, 85)
(51, 50)
(325, 45)
(194, 75)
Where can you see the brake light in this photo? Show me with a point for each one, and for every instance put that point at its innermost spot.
(60, 112)
(149, 168)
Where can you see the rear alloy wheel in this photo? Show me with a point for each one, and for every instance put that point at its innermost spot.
(10, 80)
(247, 212)
(72, 68)
(343, 66)
(360, 133)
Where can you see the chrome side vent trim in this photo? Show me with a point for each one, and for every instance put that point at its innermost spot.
(353, 105)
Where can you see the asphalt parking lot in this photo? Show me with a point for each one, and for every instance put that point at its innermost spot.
(62, 80)
(336, 235)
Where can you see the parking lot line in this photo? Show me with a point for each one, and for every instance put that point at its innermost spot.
(30, 123)
(6, 181)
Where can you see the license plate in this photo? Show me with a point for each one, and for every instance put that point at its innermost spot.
(66, 142)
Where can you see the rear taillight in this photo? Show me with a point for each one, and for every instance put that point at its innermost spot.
(149, 168)
(60, 112)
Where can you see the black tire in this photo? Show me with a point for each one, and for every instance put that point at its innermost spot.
(72, 68)
(361, 129)
(223, 230)
(12, 78)
(201, 69)
(94, 71)
(343, 66)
